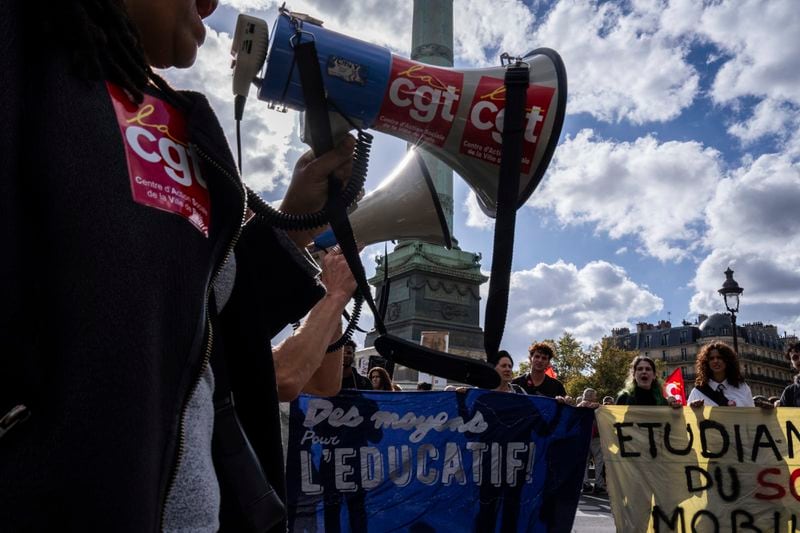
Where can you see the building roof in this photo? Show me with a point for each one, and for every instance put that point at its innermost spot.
(713, 325)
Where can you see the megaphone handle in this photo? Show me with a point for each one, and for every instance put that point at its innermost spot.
(516, 83)
(322, 141)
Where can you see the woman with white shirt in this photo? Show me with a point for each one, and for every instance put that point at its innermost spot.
(719, 380)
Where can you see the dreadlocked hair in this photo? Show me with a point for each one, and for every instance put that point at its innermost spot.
(102, 43)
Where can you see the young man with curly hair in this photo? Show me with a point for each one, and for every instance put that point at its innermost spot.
(536, 382)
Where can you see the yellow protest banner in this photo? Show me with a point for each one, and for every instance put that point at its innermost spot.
(702, 470)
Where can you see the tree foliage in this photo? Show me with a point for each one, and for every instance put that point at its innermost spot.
(611, 368)
(572, 363)
(523, 367)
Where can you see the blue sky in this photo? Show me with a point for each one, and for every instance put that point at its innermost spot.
(680, 154)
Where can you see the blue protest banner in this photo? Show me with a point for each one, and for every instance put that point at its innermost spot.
(479, 461)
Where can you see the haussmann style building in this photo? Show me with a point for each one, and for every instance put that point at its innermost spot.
(761, 349)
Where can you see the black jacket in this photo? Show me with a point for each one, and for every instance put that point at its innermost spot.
(791, 394)
(356, 381)
(104, 327)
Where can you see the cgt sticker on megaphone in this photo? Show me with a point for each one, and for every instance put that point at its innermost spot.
(482, 137)
(421, 101)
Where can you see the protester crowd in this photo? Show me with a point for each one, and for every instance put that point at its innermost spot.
(133, 329)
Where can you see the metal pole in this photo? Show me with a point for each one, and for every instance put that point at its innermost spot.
(733, 323)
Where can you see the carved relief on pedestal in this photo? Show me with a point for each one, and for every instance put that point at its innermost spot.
(393, 312)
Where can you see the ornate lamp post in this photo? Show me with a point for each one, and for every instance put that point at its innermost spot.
(730, 291)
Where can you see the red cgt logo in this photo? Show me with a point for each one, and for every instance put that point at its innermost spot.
(162, 171)
(482, 134)
(421, 101)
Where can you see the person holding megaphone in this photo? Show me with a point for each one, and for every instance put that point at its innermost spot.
(121, 207)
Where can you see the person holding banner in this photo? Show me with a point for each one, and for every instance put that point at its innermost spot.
(642, 387)
(719, 380)
(380, 379)
(791, 394)
(505, 368)
(536, 382)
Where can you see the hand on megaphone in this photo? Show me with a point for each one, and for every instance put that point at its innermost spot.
(336, 276)
(308, 190)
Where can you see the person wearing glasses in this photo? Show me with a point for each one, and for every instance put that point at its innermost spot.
(791, 394)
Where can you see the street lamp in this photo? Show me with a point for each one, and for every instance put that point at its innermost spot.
(730, 291)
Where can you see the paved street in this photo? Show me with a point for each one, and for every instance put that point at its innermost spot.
(593, 516)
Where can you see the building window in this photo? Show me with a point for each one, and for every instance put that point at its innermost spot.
(684, 354)
(663, 355)
(664, 339)
(647, 340)
(725, 331)
(683, 337)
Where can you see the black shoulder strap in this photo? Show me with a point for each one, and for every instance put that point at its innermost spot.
(242, 480)
(516, 83)
(317, 109)
(717, 396)
(401, 351)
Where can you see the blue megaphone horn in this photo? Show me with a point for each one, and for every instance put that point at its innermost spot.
(454, 114)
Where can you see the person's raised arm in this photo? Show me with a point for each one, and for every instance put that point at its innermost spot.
(301, 362)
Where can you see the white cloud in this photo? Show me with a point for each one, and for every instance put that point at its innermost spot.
(366, 20)
(648, 189)
(754, 38)
(754, 227)
(621, 251)
(551, 298)
(475, 216)
(620, 64)
(483, 30)
(757, 34)
(769, 117)
(269, 141)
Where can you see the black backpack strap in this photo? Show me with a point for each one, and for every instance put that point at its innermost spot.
(244, 484)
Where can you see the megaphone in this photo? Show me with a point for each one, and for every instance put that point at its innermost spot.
(455, 114)
(404, 206)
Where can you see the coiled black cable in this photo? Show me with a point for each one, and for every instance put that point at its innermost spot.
(306, 221)
(351, 326)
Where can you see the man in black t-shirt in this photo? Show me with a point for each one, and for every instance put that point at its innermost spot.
(536, 382)
(351, 379)
(791, 395)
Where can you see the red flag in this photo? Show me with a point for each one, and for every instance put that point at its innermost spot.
(550, 371)
(673, 386)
